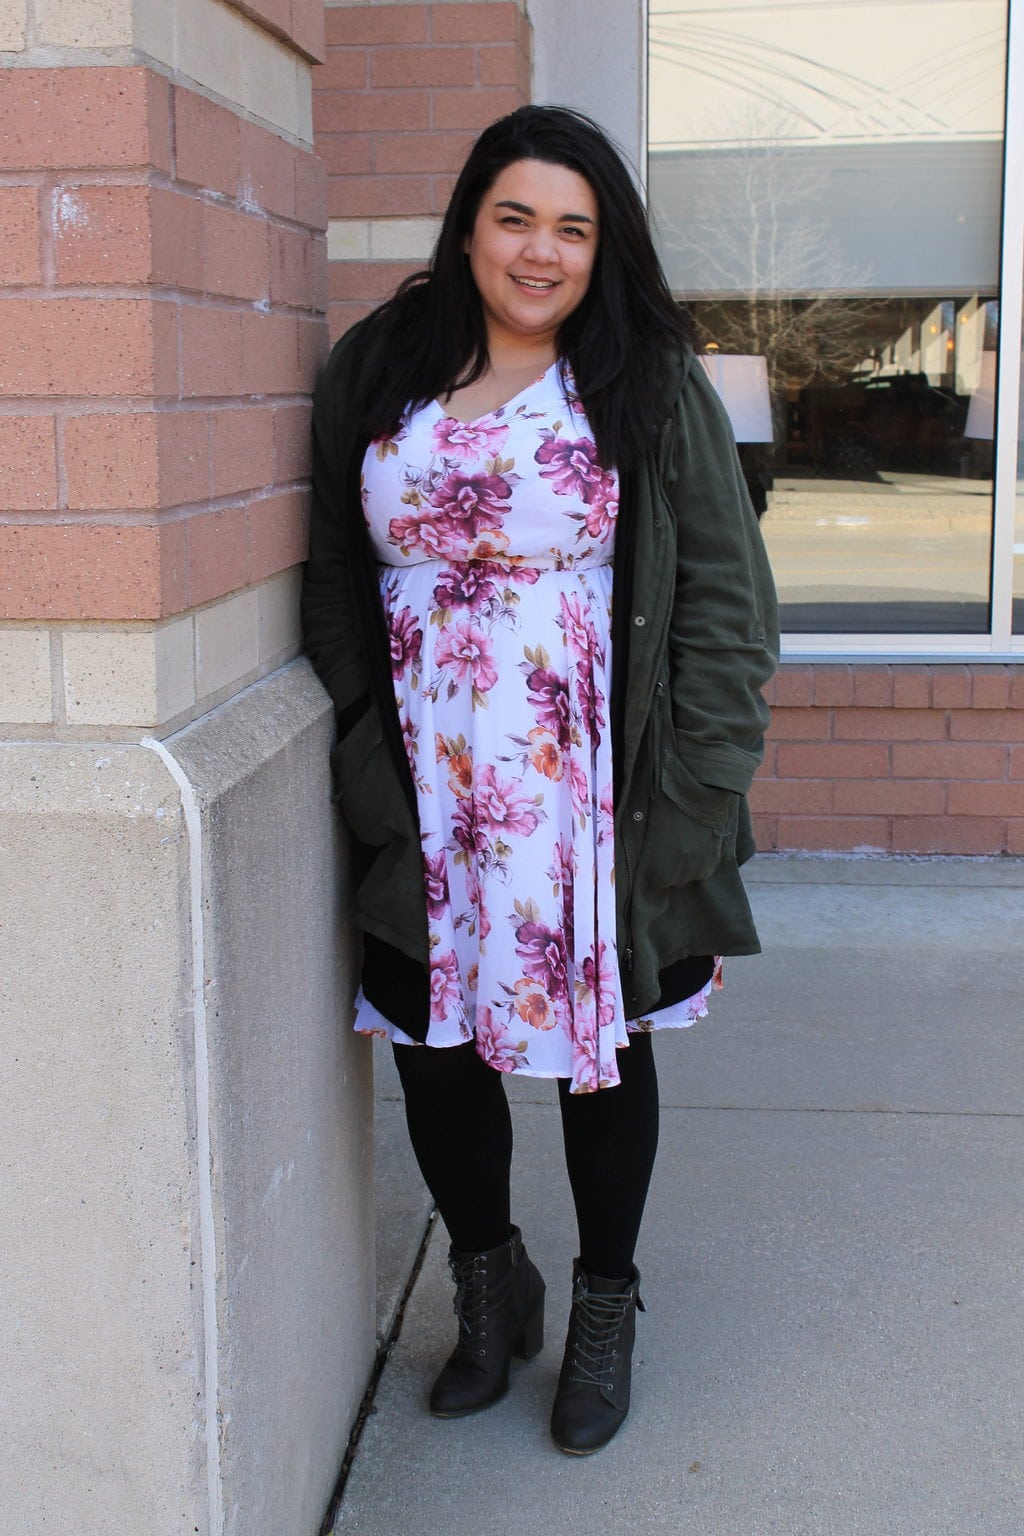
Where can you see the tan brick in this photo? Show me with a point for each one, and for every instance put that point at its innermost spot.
(206, 143)
(278, 533)
(480, 23)
(832, 760)
(473, 110)
(227, 642)
(90, 571)
(20, 256)
(26, 692)
(28, 463)
(374, 25)
(293, 443)
(243, 449)
(836, 834)
(889, 797)
(945, 760)
(90, 118)
(61, 346)
(218, 554)
(890, 725)
(948, 834)
(236, 259)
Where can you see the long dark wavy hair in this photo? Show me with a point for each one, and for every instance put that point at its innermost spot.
(617, 341)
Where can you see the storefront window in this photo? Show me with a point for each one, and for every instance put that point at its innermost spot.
(826, 185)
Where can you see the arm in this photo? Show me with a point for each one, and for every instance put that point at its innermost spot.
(723, 635)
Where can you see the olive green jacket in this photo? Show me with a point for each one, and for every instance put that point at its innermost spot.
(694, 638)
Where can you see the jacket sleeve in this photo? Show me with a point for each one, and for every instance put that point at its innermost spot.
(331, 634)
(723, 636)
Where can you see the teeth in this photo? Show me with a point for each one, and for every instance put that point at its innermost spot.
(528, 282)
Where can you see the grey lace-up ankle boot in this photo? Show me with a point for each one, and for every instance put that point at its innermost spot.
(499, 1302)
(593, 1389)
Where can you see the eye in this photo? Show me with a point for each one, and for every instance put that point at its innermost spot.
(513, 218)
(573, 229)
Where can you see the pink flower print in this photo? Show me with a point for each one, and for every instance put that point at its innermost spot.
(494, 1045)
(466, 440)
(406, 643)
(504, 807)
(575, 621)
(435, 869)
(533, 1004)
(475, 897)
(599, 980)
(571, 466)
(606, 819)
(603, 512)
(542, 951)
(549, 696)
(472, 504)
(468, 586)
(560, 870)
(468, 832)
(465, 650)
(579, 791)
(590, 700)
(445, 987)
(423, 529)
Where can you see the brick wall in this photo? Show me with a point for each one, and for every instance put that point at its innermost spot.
(402, 94)
(894, 759)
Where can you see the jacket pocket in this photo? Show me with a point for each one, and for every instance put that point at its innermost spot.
(362, 774)
(690, 826)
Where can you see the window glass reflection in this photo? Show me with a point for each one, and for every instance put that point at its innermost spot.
(825, 182)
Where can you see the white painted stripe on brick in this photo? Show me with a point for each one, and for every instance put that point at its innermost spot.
(381, 239)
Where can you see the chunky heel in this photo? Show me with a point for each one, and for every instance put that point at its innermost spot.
(531, 1341)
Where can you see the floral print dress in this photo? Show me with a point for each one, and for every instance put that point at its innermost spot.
(495, 540)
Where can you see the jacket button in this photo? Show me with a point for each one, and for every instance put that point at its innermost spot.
(659, 689)
(639, 621)
(638, 815)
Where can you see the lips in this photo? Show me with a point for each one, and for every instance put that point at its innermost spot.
(534, 284)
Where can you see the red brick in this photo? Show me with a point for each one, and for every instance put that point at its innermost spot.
(295, 259)
(59, 346)
(89, 571)
(308, 28)
(800, 724)
(765, 832)
(345, 154)
(768, 690)
(237, 262)
(176, 223)
(833, 685)
(987, 725)
(345, 69)
(313, 347)
(402, 153)
(990, 687)
(373, 25)
(373, 281)
(872, 687)
(794, 685)
(944, 760)
(218, 554)
(1015, 837)
(501, 64)
(102, 234)
(797, 797)
(441, 193)
(369, 197)
(890, 725)
(267, 177)
(479, 23)
(1017, 687)
(986, 799)
(947, 834)
(135, 459)
(341, 317)
(206, 143)
(243, 449)
(473, 110)
(377, 112)
(94, 118)
(211, 348)
(951, 687)
(278, 533)
(1016, 763)
(889, 797)
(838, 834)
(20, 257)
(310, 192)
(832, 759)
(28, 463)
(183, 450)
(293, 443)
(911, 687)
(270, 354)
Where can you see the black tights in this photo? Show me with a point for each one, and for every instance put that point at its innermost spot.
(461, 1133)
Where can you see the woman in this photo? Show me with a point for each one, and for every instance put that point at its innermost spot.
(545, 843)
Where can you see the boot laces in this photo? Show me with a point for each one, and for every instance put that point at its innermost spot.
(597, 1326)
(470, 1278)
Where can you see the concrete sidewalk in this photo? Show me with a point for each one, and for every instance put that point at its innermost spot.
(832, 1257)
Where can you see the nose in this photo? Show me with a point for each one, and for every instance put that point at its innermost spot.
(541, 247)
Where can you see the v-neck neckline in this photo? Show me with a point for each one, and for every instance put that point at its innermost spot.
(486, 415)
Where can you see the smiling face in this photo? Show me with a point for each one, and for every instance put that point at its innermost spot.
(532, 250)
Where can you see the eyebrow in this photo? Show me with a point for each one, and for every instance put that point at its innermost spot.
(576, 218)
